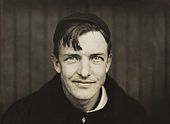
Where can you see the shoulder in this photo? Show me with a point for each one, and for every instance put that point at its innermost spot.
(123, 105)
(161, 112)
(23, 109)
(18, 111)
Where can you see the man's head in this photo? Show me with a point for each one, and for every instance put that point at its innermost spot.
(82, 52)
(71, 27)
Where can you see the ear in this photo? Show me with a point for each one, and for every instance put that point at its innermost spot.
(56, 63)
(109, 61)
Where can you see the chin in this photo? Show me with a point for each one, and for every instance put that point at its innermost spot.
(83, 97)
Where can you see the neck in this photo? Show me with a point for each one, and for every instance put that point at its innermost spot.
(83, 104)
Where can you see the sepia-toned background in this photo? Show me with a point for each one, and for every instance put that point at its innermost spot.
(140, 38)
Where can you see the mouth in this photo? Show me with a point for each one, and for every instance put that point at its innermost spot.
(83, 82)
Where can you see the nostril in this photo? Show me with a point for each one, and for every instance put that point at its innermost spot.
(84, 76)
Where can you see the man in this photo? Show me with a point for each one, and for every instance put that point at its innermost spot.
(81, 91)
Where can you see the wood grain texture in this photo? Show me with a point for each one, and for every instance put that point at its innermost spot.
(167, 55)
(140, 38)
(37, 45)
(22, 51)
(8, 56)
(1, 93)
(133, 53)
(146, 56)
(159, 55)
(120, 37)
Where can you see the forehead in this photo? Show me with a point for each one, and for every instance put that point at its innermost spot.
(90, 42)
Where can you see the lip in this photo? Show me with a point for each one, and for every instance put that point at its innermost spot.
(83, 82)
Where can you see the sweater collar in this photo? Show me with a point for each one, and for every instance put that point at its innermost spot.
(103, 101)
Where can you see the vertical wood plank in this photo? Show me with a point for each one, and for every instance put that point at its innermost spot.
(1, 93)
(120, 56)
(141, 45)
(133, 59)
(51, 20)
(22, 50)
(75, 6)
(70, 7)
(147, 57)
(159, 54)
(114, 66)
(7, 56)
(37, 46)
(167, 50)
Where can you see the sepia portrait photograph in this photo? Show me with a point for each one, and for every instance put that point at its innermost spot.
(84, 62)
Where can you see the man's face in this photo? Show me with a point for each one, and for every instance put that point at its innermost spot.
(83, 72)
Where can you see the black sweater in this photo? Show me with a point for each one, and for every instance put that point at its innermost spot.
(50, 106)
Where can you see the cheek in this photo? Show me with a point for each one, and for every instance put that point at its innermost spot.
(68, 70)
(99, 70)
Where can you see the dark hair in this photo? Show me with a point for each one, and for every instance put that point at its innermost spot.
(68, 34)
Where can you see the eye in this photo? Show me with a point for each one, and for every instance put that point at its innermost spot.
(71, 59)
(97, 59)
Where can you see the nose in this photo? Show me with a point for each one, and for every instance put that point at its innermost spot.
(84, 68)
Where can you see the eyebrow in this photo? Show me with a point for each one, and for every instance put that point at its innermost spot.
(70, 54)
(76, 55)
(98, 54)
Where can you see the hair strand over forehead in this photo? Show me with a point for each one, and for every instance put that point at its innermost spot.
(68, 31)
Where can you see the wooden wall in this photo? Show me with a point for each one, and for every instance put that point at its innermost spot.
(140, 38)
